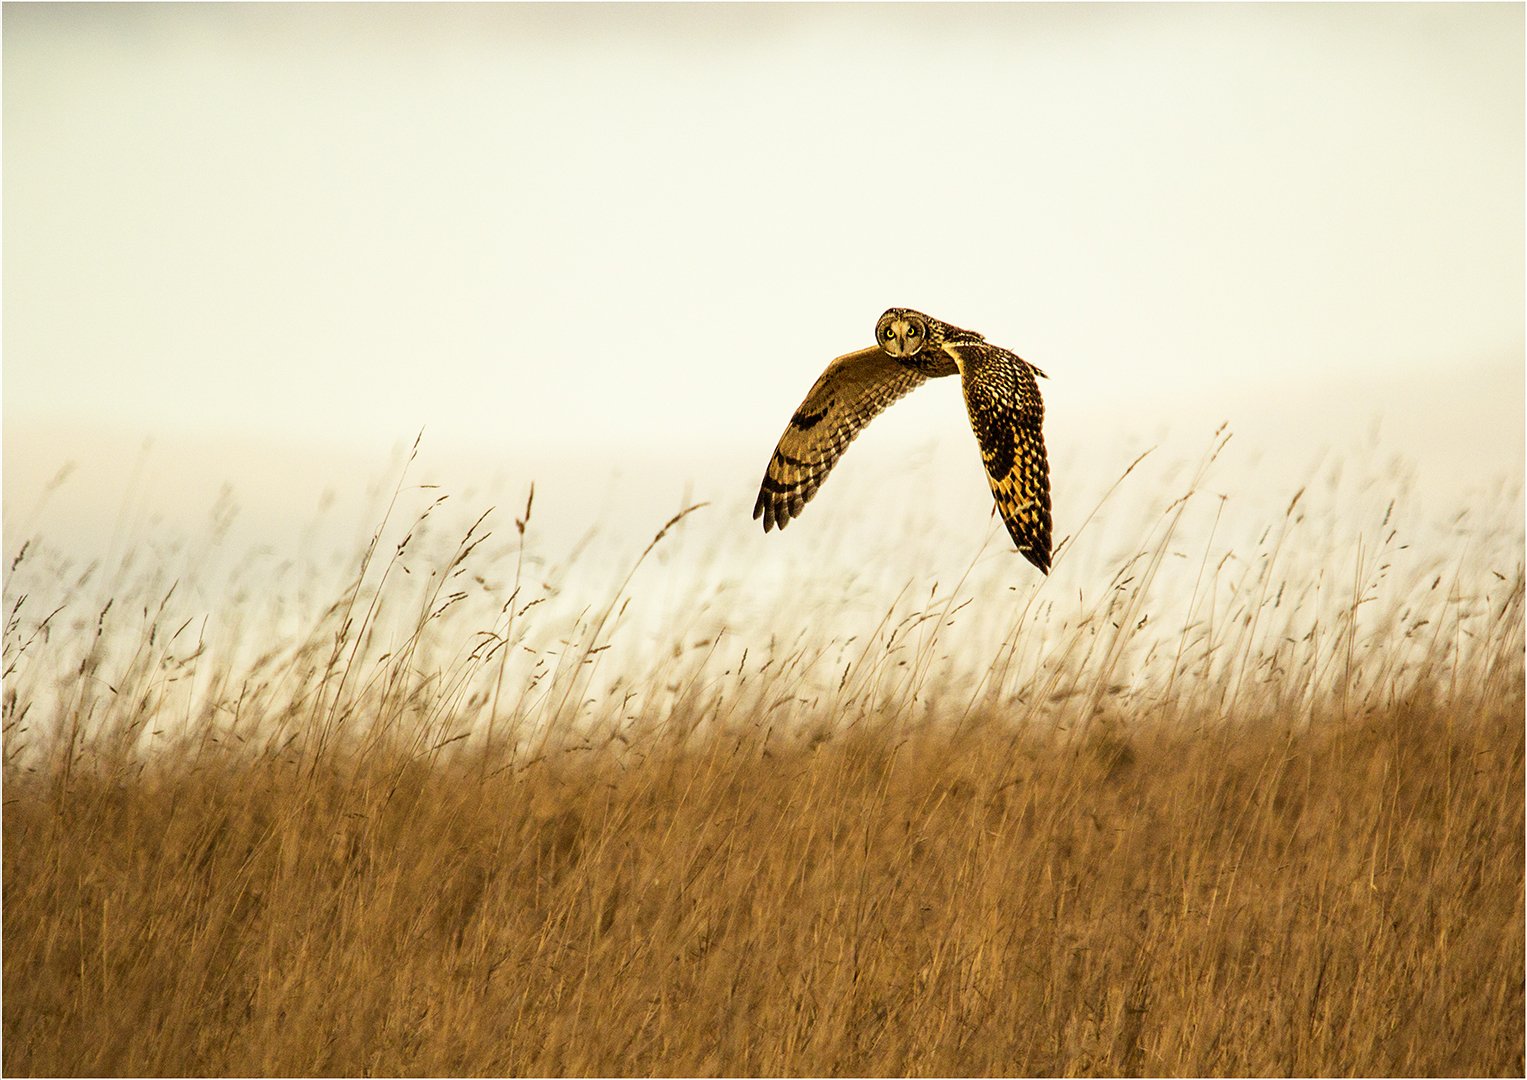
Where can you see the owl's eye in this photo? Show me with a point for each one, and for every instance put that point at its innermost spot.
(913, 331)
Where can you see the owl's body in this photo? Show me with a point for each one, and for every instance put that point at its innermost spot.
(1001, 396)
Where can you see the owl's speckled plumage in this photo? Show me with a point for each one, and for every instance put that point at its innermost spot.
(1001, 395)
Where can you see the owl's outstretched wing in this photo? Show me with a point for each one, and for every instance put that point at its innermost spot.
(852, 391)
(1007, 413)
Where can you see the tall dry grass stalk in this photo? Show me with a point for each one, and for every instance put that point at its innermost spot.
(1230, 814)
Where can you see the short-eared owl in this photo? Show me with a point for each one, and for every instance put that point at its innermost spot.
(910, 347)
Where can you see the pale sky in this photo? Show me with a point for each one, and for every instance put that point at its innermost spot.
(564, 239)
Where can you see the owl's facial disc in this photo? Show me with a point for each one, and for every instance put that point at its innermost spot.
(900, 334)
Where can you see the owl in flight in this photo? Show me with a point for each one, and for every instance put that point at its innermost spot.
(910, 347)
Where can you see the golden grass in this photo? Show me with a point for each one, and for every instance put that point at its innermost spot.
(362, 852)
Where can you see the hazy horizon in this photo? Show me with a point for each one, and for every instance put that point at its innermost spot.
(608, 248)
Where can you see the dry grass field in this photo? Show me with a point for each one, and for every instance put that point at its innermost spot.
(1284, 836)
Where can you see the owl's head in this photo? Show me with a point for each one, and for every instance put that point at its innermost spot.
(903, 332)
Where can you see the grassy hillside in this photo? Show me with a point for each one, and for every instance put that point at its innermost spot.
(1283, 837)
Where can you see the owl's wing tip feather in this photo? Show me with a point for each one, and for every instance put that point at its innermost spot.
(1040, 559)
(766, 510)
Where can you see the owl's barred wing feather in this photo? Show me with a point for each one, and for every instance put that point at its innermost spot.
(1007, 414)
(852, 391)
